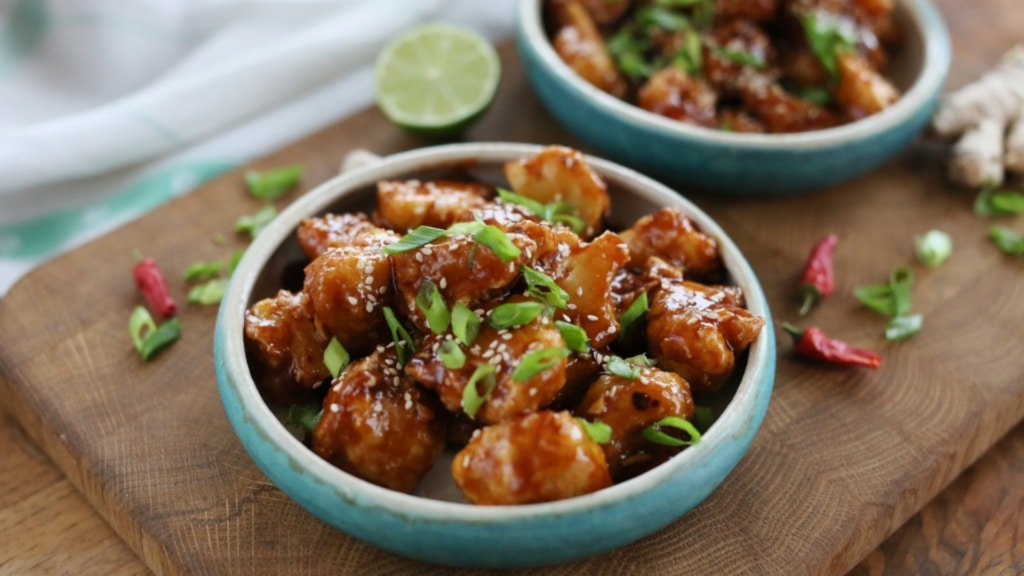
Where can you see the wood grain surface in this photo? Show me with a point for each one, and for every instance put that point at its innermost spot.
(843, 459)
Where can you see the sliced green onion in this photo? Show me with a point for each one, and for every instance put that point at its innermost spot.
(336, 358)
(465, 323)
(305, 416)
(689, 57)
(403, 341)
(642, 361)
(636, 309)
(933, 248)
(499, 242)
(813, 94)
(900, 280)
(541, 287)
(575, 337)
(472, 399)
(451, 355)
(252, 224)
(202, 271)
(827, 37)
(511, 314)
(877, 297)
(598, 431)
(620, 367)
(661, 17)
(431, 304)
(1007, 240)
(654, 434)
(537, 361)
(273, 184)
(903, 327)
(740, 57)
(509, 197)
(416, 238)
(703, 418)
(140, 325)
(992, 203)
(209, 292)
(556, 212)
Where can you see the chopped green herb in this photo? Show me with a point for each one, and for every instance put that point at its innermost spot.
(431, 303)
(661, 17)
(1007, 240)
(617, 366)
(465, 323)
(202, 271)
(903, 327)
(689, 57)
(416, 238)
(273, 184)
(543, 288)
(537, 361)
(575, 337)
(556, 212)
(252, 224)
(598, 431)
(499, 242)
(933, 247)
(827, 37)
(336, 358)
(509, 197)
(472, 398)
(636, 309)
(892, 299)
(305, 416)
(993, 203)
(403, 341)
(813, 94)
(140, 325)
(642, 361)
(740, 57)
(653, 433)
(451, 355)
(208, 293)
(511, 314)
(149, 338)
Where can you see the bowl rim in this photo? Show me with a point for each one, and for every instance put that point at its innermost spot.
(738, 413)
(936, 57)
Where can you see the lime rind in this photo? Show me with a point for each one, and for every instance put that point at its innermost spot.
(436, 79)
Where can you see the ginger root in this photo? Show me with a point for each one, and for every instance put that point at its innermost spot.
(988, 117)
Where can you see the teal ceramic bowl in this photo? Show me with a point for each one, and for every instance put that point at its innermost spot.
(433, 525)
(743, 164)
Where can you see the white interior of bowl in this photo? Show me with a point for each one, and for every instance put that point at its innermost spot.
(918, 68)
(632, 194)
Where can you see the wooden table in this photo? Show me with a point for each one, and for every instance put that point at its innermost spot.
(974, 526)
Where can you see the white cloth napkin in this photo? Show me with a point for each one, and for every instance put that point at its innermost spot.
(110, 108)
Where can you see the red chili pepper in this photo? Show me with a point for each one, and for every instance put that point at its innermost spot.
(814, 344)
(153, 285)
(818, 280)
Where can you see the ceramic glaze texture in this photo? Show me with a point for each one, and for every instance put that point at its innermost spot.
(743, 164)
(460, 534)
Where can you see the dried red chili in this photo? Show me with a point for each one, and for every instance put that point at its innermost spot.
(818, 280)
(153, 285)
(814, 344)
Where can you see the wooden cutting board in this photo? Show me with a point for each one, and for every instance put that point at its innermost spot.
(843, 458)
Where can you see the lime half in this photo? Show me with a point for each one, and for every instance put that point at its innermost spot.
(436, 79)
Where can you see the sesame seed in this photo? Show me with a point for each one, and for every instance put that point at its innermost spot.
(591, 317)
(443, 283)
(353, 300)
(334, 408)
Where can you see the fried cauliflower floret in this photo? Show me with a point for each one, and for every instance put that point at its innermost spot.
(560, 174)
(284, 348)
(670, 235)
(628, 406)
(862, 91)
(540, 457)
(317, 235)
(379, 426)
(404, 205)
(674, 94)
(346, 289)
(580, 45)
(696, 331)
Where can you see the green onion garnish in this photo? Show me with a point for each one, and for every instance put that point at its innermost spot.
(472, 399)
(273, 184)
(252, 224)
(992, 203)
(418, 237)
(305, 416)
(202, 271)
(209, 292)
(431, 304)
(1007, 240)
(465, 323)
(511, 314)
(541, 287)
(147, 337)
(403, 341)
(620, 367)
(827, 37)
(933, 247)
(537, 361)
(598, 431)
(654, 434)
(451, 355)
(903, 327)
(509, 197)
(689, 57)
(499, 242)
(556, 212)
(740, 57)
(636, 309)
(891, 299)
(574, 336)
(336, 358)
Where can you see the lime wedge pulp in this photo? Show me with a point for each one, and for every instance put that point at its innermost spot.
(436, 79)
